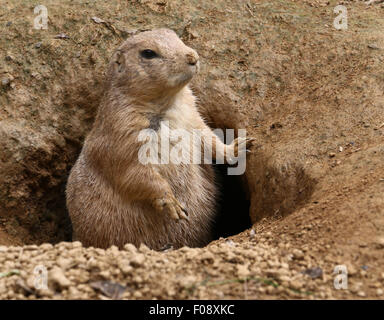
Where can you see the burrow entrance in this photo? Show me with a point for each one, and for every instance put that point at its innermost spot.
(263, 190)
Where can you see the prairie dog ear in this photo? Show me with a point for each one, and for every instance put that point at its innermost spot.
(119, 61)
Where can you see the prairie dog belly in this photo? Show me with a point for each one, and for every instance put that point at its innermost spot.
(192, 183)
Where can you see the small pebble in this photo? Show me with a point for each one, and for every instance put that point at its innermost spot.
(361, 294)
(138, 260)
(298, 254)
(57, 277)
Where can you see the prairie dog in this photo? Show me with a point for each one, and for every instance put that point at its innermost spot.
(113, 198)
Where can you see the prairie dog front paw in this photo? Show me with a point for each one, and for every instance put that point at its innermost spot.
(170, 205)
(239, 147)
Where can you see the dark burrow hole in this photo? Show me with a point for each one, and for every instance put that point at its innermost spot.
(55, 222)
(233, 205)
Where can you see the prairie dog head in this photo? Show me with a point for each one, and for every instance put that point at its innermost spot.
(153, 64)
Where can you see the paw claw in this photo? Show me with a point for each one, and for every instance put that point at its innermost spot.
(185, 211)
(171, 206)
(242, 145)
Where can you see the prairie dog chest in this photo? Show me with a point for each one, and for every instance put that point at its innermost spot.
(174, 139)
(177, 125)
(181, 116)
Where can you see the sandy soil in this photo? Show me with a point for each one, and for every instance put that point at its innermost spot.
(310, 94)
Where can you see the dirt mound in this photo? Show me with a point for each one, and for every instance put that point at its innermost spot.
(310, 94)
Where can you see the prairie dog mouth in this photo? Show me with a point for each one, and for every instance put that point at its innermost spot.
(182, 78)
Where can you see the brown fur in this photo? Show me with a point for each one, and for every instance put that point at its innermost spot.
(112, 198)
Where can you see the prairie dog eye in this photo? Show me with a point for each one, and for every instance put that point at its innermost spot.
(148, 54)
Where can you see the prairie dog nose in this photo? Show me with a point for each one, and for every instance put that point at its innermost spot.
(192, 58)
